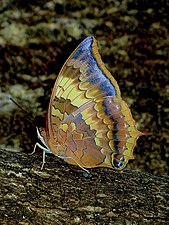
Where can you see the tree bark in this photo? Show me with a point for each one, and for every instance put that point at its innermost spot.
(60, 194)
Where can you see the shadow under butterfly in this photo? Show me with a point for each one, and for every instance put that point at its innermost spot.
(88, 124)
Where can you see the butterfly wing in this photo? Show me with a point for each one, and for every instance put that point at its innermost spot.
(83, 77)
(101, 133)
(88, 124)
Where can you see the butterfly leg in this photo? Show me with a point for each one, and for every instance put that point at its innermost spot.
(43, 161)
(44, 152)
(34, 149)
(40, 146)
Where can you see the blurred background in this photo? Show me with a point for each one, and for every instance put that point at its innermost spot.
(36, 37)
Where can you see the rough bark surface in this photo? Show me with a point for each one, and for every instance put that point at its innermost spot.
(60, 195)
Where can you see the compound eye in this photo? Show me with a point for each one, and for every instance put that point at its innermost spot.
(118, 161)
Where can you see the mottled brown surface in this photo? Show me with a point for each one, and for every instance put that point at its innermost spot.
(58, 195)
(36, 37)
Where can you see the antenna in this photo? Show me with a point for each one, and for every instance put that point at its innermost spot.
(24, 111)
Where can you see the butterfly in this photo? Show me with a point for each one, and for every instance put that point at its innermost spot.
(88, 124)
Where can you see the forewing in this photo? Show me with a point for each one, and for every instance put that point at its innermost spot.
(82, 78)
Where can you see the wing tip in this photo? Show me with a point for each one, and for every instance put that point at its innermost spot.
(87, 41)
